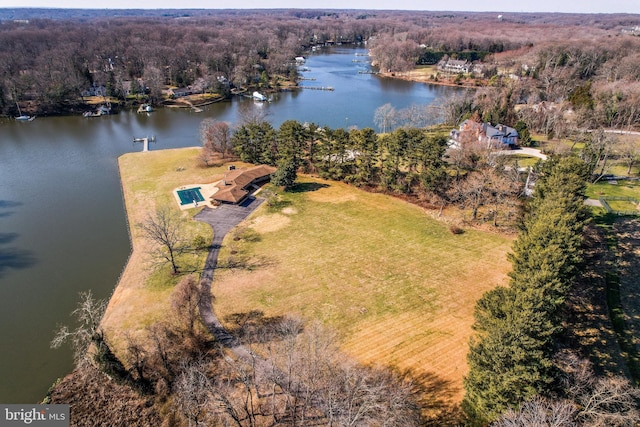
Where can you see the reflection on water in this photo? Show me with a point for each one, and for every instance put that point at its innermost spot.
(62, 223)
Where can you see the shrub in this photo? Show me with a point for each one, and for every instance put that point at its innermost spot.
(454, 229)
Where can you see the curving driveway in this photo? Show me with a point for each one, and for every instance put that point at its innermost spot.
(222, 219)
(524, 150)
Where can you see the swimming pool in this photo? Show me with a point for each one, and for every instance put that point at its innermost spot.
(190, 195)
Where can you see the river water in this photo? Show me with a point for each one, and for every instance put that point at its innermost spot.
(62, 221)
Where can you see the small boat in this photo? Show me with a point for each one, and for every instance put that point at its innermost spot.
(23, 117)
(257, 96)
(101, 111)
(145, 108)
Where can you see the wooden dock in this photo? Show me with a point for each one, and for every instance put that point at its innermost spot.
(145, 142)
(317, 87)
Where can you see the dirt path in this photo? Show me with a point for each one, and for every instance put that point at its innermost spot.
(222, 219)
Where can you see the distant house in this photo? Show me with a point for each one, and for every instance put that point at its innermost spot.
(95, 90)
(501, 136)
(478, 69)
(179, 92)
(454, 66)
(237, 184)
(198, 86)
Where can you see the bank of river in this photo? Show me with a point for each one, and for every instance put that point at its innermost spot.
(62, 223)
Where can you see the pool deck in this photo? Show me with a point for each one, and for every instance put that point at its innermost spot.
(207, 190)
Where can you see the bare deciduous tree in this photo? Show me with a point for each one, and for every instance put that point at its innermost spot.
(597, 152)
(216, 139)
(192, 393)
(185, 300)
(88, 314)
(88, 339)
(540, 412)
(164, 229)
(385, 117)
(473, 191)
(591, 401)
(628, 150)
(251, 114)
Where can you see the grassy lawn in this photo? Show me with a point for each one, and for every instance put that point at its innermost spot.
(396, 285)
(148, 179)
(622, 205)
(521, 160)
(619, 189)
(425, 71)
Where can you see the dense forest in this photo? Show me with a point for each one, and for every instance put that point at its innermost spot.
(554, 69)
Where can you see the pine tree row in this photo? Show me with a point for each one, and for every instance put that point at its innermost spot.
(517, 327)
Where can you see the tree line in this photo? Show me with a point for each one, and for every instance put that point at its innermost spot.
(519, 370)
(407, 161)
(47, 63)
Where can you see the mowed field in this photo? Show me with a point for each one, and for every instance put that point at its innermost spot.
(397, 286)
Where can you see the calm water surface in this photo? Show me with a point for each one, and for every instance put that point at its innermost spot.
(62, 222)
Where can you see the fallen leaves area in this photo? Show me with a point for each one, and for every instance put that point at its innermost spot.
(95, 399)
(589, 329)
(628, 233)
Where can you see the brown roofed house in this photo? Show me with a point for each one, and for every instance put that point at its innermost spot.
(237, 183)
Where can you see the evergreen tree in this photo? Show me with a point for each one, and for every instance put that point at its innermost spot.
(286, 173)
(523, 133)
(335, 154)
(255, 143)
(394, 145)
(292, 138)
(510, 357)
(366, 151)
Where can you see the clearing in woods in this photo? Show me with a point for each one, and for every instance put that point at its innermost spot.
(397, 285)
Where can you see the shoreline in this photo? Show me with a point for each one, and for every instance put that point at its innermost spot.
(421, 78)
(137, 298)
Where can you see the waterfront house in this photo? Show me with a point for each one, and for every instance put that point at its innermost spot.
(454, 66)
(95, 90)
(237, 184)
(470, 131)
